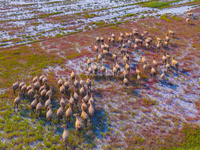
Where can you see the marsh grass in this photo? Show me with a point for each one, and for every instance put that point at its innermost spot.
(17, 62)
(25, 130)
(156, 4)
(21, 130)
(164, 17)
(48, 15)
(87, 15)
(176, 18)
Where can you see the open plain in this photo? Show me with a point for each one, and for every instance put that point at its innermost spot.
(56, 37)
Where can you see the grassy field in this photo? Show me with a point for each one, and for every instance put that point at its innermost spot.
(152, 115)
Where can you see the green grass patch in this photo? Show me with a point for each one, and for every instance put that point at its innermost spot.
(36, 23)
(156, 4)
(73, 55)
(116, 28)
(4, 44)
(148, 102)
(103, 24)
(86, 15)
(157, 23)
(185, 138)
(196, 1)
(175, 18)
(129, 15)
(50, 14)
(23, 61)
(164, 17)
(99, 23)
